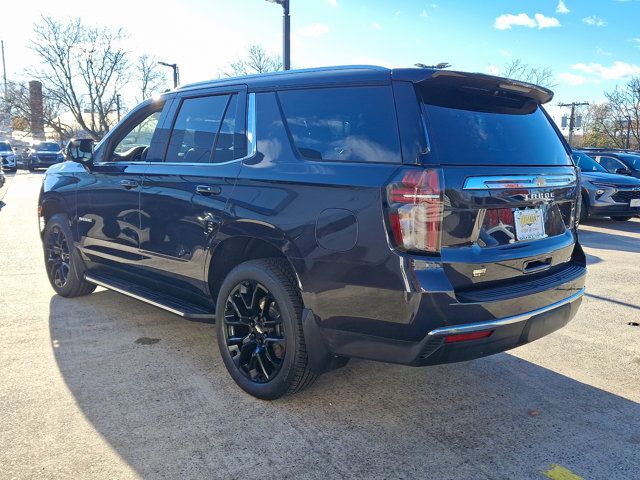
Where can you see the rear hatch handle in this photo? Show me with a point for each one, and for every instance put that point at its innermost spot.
(535, 266)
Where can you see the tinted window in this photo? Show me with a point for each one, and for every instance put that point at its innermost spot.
(481, 136)
(195, 129)
(586, 163)
(227, 147)
(48, 147)
(4, 146)
(354, 124)
(611, 164)
(633, 161)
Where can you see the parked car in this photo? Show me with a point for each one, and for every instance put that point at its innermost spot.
(43, 155)
(622, 162)
(606, 194)
(401, 215)
(7, 157)
(22, 157)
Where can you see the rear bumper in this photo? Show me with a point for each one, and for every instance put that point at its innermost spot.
(506, 333)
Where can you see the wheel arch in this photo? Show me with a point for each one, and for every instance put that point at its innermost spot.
(235, 249)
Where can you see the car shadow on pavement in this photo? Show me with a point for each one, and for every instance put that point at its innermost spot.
(631, 226)
(609, 241)
(154, 387)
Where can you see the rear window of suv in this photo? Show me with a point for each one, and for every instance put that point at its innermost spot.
(485, 134)
(348, 124)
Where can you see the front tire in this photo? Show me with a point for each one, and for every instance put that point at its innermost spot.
(64, 269)
(584, 211)
(259, 329)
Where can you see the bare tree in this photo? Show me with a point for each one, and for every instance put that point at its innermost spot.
(257, 60)
(608, 124)
(83, 68)
(151, 79)
(519, 70)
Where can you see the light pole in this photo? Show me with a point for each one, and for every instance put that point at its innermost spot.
(174, 66)
(286, 33)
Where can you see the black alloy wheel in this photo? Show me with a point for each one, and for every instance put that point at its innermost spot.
(259, 329)
(58, 257)
(254, 331)
(65, 270)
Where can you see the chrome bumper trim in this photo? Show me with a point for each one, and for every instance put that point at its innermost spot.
(475, 327)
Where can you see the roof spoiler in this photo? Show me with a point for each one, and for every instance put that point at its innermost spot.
(452, 78)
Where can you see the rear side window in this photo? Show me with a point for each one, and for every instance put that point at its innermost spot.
(194, 132)
(482, 134)
(350, 124)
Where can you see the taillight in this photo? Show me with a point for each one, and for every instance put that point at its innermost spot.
(415, 210)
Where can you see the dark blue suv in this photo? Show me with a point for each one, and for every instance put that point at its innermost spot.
(411, 216)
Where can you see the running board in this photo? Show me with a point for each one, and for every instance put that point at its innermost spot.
(173, 305)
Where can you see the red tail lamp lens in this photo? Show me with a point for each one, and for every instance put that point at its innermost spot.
(415, 210)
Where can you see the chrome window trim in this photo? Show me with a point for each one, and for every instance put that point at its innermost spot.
(495, 182)
(479, 326)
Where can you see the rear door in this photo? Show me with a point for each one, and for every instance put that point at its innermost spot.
(510, 188)
(183, 197)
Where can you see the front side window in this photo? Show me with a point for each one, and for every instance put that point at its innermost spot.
(350, 124)
(135, 144)
(611, 164)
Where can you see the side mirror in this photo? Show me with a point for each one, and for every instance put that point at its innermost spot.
(623, 171)
(79, 150)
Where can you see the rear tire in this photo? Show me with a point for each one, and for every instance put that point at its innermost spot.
(259, 329)
(621, 219)
(64, 269)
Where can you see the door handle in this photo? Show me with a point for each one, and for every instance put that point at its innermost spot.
(208, 190)
(129, 184)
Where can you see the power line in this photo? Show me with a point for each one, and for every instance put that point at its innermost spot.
(572, 119)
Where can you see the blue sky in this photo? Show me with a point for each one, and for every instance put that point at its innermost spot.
(591, 45)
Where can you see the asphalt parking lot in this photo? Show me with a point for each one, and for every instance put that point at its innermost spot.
(82, 397)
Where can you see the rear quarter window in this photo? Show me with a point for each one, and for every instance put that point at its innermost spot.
(348, 124)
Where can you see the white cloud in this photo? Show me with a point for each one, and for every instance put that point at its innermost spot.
(333, 3)
(619, 70)
(636, 41)
(506, 53)
(424, 14)
(376, 25)
(313, 30)
(594, 21)
(546, 22)
(572, 79)
(562, 8)
(508, 20)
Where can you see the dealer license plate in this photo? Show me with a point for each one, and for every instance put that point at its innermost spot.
(529, 224)
(635, 202)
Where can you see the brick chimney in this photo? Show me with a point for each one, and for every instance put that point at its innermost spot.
(36, 108)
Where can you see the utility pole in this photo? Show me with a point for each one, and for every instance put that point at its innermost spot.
(628, 143)
(572, 119)
(118, 105)
(4, 70)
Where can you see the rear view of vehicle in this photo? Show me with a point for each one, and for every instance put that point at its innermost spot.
(488, 221)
